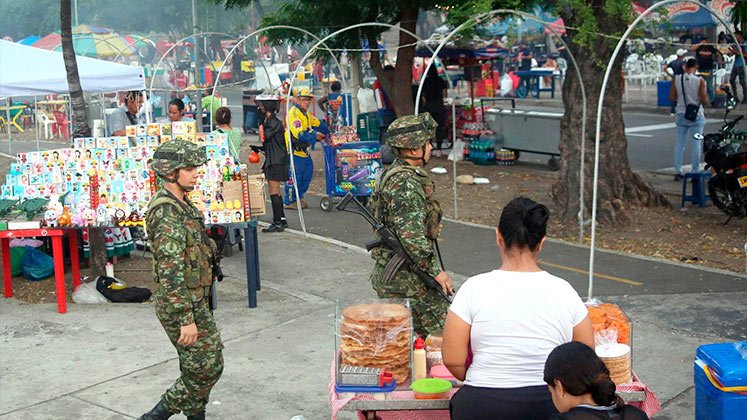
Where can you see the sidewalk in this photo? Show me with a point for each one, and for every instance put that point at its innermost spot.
(113, 361)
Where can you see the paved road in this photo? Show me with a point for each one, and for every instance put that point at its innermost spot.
(471, 249)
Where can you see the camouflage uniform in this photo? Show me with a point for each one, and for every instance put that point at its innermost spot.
(182, 257)
(403, 200)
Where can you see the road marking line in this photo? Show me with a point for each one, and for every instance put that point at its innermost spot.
(655, 127)
(601, 276)
(638, 135)
(7, 155)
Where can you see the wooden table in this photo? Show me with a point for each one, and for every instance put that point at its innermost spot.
(57, 252)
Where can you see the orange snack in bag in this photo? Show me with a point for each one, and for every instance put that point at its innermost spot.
(609, 316)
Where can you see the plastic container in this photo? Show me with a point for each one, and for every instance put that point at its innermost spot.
(662, 92)
(721, 381)
(431, 389)
(377, 393)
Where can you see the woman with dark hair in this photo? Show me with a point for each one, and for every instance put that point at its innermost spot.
(223, 120)
(511, 319)
(176, 111)
(277, 159)
(581, 386)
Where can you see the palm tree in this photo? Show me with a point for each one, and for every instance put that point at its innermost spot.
(80, 117)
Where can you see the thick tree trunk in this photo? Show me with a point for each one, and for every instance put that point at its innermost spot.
(619, 188)
(80, 116)
(95, 235)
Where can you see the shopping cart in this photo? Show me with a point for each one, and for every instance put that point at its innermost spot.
(350, 167)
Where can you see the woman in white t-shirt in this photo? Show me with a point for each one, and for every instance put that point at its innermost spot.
(511, 319)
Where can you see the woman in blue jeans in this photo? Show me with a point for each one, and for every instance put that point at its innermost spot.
(688, 89)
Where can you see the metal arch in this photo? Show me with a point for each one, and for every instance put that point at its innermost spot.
(257, 32)
(490, 14)
(293, 78)
(171, 48)
(599, 112)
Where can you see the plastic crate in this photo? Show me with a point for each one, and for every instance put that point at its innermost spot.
(368, 126)
(726, 364)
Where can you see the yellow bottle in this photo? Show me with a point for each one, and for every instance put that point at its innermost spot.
(418, 359)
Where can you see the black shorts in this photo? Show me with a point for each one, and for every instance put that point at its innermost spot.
(476, 403)
(276, 173)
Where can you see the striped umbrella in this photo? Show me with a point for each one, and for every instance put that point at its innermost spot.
(91, 41)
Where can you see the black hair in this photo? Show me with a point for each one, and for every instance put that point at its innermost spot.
(178, 103)
(578, 368)
(335, 86)
(270, 106)
(389, 67)
(223, 115)
(523, 223)
(691, 63)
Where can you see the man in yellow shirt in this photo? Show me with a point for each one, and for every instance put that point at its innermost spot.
(305, 129)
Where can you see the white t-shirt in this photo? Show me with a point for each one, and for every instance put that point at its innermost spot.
(517, 318)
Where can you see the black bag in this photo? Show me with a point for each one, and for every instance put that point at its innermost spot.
(128, 294)
(691, 110)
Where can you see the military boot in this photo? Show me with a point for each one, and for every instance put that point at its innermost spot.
(159, 412)
(198, 416)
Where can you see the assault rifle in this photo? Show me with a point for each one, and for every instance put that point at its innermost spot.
(389, 239)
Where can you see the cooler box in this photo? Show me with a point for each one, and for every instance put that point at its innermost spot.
(662, 92)
(724, 394)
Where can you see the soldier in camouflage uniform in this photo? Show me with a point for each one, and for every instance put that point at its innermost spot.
(182, 267)
(403, 200)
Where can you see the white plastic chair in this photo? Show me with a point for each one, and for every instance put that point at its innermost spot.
(42, 118)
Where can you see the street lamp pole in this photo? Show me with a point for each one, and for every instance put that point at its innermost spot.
(75, 6)
(198, 93)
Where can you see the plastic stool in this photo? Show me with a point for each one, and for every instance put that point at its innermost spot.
(698, 195)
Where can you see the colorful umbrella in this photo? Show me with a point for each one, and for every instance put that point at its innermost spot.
(29, 40)
(92, 41)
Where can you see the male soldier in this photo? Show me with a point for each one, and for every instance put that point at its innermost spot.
(403, 200)
(182, 258)
(305, 129)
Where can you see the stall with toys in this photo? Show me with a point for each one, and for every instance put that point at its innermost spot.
(382, 370)
(350, 165)
(107, 182)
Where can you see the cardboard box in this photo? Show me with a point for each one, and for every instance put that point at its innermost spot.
(256, 185)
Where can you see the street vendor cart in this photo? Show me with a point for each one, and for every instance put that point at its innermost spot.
(350, 167)
(527, 131)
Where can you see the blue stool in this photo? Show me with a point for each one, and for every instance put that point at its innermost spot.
(698, 195)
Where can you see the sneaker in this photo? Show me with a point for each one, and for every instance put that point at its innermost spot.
(678, 177)
(273, 228)
(291, 206)
(283, 222)
(304, 204)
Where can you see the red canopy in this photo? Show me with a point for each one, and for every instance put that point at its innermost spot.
(558, 26)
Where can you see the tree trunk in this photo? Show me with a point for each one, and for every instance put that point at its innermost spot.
(619, 188)
(80, 116)
(400, 89)
(95, 235)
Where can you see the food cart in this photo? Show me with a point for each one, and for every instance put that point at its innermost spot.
(522, 130)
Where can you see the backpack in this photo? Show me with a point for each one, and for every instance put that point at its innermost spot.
(112, 289)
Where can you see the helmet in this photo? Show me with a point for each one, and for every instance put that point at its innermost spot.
(411, 131)
(177, 154)
(304, 93)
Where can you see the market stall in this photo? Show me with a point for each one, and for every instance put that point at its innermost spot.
(379, 373)
(106, 182)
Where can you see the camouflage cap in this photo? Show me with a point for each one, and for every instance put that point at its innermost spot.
(411, 131)
(177, 154)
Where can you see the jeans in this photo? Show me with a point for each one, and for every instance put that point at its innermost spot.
(738, 72)
(304, 173)
(683, 127)
(709, 81)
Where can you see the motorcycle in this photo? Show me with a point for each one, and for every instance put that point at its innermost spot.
(726, 156)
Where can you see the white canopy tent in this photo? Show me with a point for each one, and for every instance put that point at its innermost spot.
(30, 71)
(26, 70)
